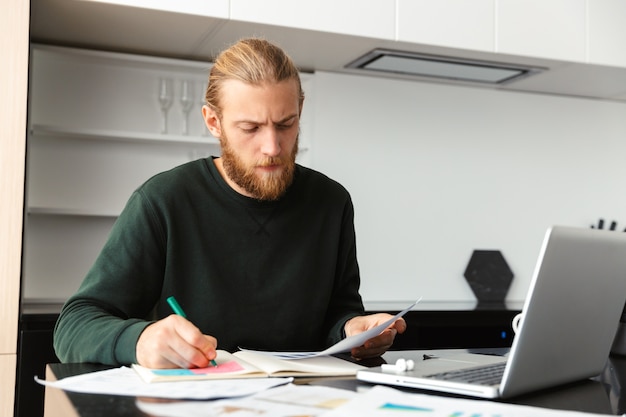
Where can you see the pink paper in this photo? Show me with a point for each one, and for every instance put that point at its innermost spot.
(222, 368)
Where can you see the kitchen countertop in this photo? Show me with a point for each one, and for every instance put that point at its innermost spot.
(31, 307)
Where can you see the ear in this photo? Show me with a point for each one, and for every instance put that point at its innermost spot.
(212, 121)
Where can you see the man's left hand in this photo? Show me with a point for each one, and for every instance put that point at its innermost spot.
(378, 345)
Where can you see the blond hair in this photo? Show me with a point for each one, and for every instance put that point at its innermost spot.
(252, 61)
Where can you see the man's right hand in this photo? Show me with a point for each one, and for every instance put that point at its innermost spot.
(174, 342)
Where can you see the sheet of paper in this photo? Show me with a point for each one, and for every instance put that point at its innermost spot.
(245, 407)
(125, 381)
(343, 345)
(285, 401)
(382, 401)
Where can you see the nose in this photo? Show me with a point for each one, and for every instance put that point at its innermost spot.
(270, 145)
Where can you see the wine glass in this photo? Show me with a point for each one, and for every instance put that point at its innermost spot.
(205, 85)
(186, 102)
(166, 98)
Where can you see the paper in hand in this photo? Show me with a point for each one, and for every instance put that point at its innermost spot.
(344, 345)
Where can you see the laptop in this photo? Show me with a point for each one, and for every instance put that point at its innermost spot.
(569, 320)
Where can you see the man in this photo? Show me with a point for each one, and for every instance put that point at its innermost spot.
(259, 251)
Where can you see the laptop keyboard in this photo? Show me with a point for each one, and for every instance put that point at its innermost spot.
(484, 375)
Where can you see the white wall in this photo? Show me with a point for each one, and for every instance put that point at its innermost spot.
(408, 152)
(437, 171)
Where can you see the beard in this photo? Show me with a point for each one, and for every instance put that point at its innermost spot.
(267, 186)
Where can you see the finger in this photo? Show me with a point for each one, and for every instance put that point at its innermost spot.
(194, 337)
(170, 349)
(161, 357)
(210, 347)
(362, 353)
(174, 342)
(383, 339)
(207, 352)
(400, 325)
(173, 358)
(375, 346)
(152, 349)
(386, 339)
(179, 354)
(360, 324)
(196, 348)
(184, 355)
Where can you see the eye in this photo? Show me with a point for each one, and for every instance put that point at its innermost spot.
(285, 126)
(249, 128)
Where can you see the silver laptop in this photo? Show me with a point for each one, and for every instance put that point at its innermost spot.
(570, 317)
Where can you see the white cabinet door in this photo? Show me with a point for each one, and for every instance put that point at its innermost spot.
(369, 18)
(607, 32)
(449, 23)
(553, 29)
(213, 8)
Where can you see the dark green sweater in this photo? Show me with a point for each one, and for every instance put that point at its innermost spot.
(277, 275)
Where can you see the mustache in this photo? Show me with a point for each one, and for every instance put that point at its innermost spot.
(270, 161)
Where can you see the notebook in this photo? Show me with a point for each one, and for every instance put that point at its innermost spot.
(247, 364)
(569, 320)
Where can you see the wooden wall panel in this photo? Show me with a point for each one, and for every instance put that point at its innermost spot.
(14, 45)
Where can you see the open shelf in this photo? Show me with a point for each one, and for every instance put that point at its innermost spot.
(118, 135)
(60, 211)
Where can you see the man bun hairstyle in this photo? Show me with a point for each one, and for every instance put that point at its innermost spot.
(253, 61)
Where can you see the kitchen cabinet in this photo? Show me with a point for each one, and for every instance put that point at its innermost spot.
(552, 29)
(95, 135)
(450, 23)
(577, 43)
(35, 351)
(607, 32)
(213, 8)
(369, 18)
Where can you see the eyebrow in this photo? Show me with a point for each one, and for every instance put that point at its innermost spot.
(284, 120)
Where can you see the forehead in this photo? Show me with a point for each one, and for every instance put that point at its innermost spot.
(275, 98)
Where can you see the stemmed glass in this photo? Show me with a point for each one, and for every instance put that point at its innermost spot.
(166, 98)
(186, 102)
(205, 130)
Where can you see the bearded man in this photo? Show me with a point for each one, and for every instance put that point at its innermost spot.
(259, 251)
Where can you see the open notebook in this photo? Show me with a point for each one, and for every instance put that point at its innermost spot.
(245, 364)
(570, 317)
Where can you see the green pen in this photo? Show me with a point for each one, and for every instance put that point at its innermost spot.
(179, 310)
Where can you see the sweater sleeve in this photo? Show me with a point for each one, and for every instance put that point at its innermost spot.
(103, 320)
(346, 301)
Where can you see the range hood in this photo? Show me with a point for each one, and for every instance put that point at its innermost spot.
(446, 68)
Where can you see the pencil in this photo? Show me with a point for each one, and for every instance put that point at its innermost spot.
(179, 310)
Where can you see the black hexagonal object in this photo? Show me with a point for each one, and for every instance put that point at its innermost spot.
(489, 276)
